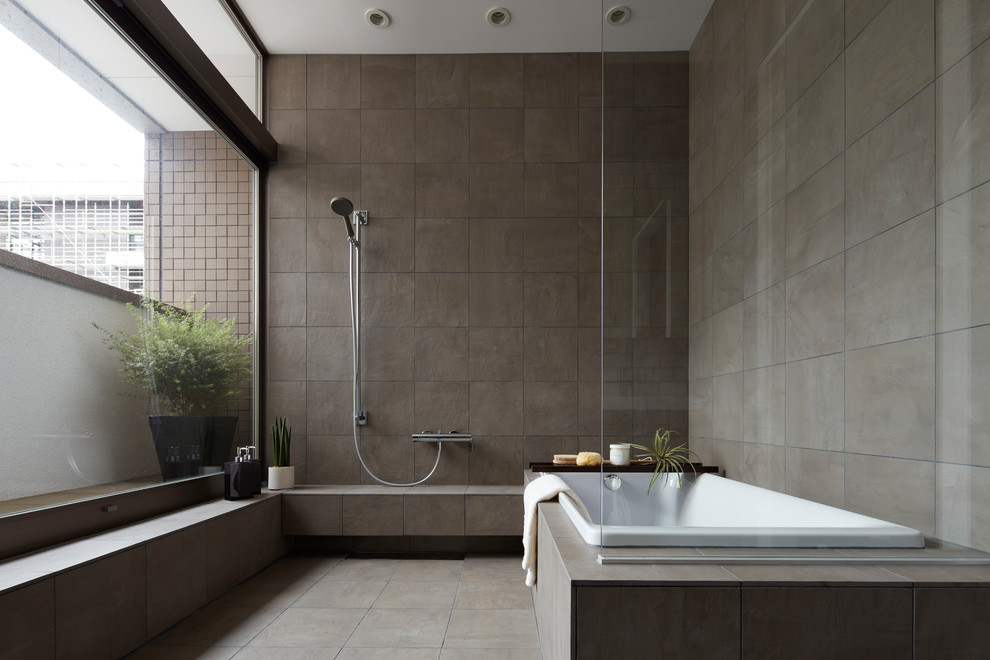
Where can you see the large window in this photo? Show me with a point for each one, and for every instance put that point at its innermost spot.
(111, 185)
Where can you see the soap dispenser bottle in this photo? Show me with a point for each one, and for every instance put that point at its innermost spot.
(236, 478)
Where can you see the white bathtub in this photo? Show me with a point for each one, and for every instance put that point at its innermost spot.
(712, 511)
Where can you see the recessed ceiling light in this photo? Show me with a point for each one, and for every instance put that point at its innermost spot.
(377, 18)
(618, 15)
(498, 16)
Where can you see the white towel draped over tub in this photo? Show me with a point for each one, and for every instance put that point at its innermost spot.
(544, 488)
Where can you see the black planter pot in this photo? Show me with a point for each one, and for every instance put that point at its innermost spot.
(188, 446)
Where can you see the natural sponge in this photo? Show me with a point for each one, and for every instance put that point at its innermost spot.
(589, 458)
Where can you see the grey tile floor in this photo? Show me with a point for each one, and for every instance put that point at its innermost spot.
(308, 608)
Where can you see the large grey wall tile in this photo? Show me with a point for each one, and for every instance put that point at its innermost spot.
(442, 81)
(812, 44)
(329, 297)
(441, 354)
(700, 408)
(963, 418)
(388, 81)
(726, 207)
(763, 328)
(763, 103)
(890, 172)
(728, 407)
(332, 81)
(287, 357)
(496, 408)
(890, 403)
(960, 26)
(815, 317)
(961, 131)
(287, 302)
(815, 218)
(815, 125)
(333, 136)
(442, 135)
(727, 70)
(728, 138)
(392, 403)
(387, 353)
(763, 25)
(893, 489)
(815, 404)
(700, 291)
(962, 512)
(727, 273)
(496, 80)
(815, 475)
(496, 354)
(764, 262)
(551, 408)
(962, 244)
(890, 285)
(700, 354)
(388, 190)
(727, 333)
(286, 82)
(888, 63)
(763, 465)
(763, 405)
(858, 14)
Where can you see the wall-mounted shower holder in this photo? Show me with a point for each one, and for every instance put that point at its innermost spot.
(361, 418)
(361, 217)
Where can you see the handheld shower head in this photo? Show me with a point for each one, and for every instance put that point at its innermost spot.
(344, 208)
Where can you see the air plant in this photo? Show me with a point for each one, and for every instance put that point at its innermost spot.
(281, 441)
(667, 456)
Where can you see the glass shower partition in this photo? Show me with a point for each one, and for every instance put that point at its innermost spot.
(644, 241)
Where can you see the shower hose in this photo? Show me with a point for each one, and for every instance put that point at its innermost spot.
(353, 276)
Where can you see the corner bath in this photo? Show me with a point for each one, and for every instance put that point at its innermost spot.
(711, 511)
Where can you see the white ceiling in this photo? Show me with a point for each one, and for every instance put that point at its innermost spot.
(338, 26)
(459, 26)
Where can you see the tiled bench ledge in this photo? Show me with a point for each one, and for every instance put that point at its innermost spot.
(111, 592)
(390, 511)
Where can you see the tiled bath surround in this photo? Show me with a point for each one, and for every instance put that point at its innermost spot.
(838, 247)
(482, 263)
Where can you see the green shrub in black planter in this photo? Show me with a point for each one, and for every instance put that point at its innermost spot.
(195, 366)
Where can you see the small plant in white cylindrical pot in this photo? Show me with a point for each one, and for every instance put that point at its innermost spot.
(282, 475)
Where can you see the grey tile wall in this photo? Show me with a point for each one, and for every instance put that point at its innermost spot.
(481, 286)
(860, 203)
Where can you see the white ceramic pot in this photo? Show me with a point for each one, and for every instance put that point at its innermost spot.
(281, 478)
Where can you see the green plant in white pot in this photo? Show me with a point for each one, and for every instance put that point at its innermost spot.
(193, 367)
(282, 474)
(669, 458)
